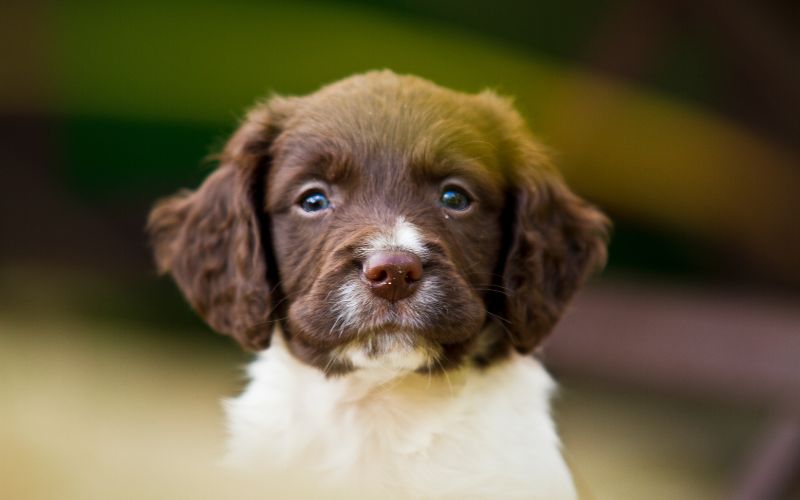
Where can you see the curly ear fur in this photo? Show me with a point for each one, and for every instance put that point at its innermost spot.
(554, 240)
(210, 240)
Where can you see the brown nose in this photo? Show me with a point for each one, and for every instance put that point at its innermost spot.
(393, 275)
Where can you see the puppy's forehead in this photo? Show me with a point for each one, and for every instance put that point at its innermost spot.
(377, 121)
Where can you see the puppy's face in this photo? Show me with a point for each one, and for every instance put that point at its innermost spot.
(382, 221)
(385, 201)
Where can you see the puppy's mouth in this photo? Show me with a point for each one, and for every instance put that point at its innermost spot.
(360, 311)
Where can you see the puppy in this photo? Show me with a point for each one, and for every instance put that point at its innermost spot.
(394, 251)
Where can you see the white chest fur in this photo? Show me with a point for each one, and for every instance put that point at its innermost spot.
(470, 434)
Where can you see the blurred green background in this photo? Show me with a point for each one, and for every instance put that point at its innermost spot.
(679, 119)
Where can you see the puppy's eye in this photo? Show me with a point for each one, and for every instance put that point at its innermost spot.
(314, 202)
(454, 199)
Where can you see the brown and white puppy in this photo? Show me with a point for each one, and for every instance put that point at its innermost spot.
(404, 248)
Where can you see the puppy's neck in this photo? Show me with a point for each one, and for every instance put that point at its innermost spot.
(370, 382)
(460, 433)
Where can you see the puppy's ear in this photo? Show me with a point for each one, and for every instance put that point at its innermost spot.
(556, 240)
(212, 240)
(553, 239)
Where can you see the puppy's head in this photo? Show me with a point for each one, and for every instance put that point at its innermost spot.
(382, 221)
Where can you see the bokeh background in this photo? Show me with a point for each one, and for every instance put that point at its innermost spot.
(680, 364)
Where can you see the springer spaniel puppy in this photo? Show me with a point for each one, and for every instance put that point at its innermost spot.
(395, 252)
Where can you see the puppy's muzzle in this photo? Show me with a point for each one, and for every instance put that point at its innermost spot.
(392, 275)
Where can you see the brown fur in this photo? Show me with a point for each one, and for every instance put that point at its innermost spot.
(380, 145)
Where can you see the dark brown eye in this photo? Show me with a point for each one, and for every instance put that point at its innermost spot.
(315, 202)
(454, 199)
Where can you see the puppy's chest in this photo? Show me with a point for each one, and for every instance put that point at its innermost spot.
(380, 431)
(298, 416)
(473, 429)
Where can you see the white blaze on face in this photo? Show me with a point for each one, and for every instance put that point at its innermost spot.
(402, 236)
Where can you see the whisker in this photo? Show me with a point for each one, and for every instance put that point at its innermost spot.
(504, 327)
(446, 376)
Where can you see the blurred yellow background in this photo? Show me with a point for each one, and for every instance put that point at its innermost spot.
(679, 365)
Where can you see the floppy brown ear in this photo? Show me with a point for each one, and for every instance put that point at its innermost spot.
(556, 240)
(210, 240)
